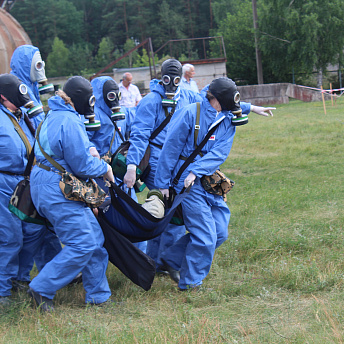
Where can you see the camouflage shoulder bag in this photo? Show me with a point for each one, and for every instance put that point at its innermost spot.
(217, 183)
(73, 188)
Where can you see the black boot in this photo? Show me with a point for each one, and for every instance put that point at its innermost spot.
(174, 274)
(45, 304)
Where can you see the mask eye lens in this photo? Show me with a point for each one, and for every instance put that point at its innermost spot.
(176, 81)
(22, 89)
(92, 100)
(237, 97)
(39, 65)
(119, 95)
(111, 96)
(166, 79)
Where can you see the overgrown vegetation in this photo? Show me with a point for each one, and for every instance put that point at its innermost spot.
(279, 277)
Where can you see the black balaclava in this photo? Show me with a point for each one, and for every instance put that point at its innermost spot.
(14, 90)
(171, 72)
(111, 95)
(226, 93)
(81, 93)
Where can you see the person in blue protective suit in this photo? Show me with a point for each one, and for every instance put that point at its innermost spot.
(206, 215)
(110, 114)
(64, 138)
(14, 152)
(153, 109)
(28, 66)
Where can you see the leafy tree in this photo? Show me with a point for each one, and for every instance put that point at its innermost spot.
(143, 60)
(92, 10)
(43, 20)
(237, 31)
(300, 35)
(58, 60)
(81, 59)
(104, 54)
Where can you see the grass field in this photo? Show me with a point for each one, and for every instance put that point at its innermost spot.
(279, 277)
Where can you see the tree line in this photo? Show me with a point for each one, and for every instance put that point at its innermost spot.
(83, 36)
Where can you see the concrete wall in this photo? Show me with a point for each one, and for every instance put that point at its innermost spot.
(264, 94)
(306, 94)
(205, 73)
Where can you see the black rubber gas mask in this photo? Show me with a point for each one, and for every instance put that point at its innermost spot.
(14, 91)
(171, 73)
(81, 93)
(112, 96)
(37, 74)
(227, 94)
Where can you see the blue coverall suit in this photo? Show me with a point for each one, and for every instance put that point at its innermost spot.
(149, 115)
(17, 238)
(51, 246)
(206, 216)
(101, 138)
(63, 137)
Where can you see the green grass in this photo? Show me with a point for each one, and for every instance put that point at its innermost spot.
(278, 279)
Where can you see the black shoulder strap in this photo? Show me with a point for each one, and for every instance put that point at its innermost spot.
(157, 131)
(29, 124)
(194, 154)
(119, 133)
(30, 162)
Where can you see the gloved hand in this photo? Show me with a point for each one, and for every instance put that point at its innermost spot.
(263, 111)
(165, 193)
(189, 180)
(94, 152)
(130, 176)
(109, 175)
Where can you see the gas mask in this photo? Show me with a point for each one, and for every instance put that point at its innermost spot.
(37, 74)
(112, 96)
(226, 93)
(171, 72)
(14, 91)
(81, 93)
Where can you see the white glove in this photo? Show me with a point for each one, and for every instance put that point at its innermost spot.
(165, 193)
(130, 176)
(263, 111)
(94, 152)
(109, 174)
(189, 180)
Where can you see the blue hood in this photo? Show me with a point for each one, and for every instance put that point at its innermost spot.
(21, 66)
(56, 103)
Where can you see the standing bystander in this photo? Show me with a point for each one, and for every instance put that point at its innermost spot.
(129, 92)
(187, 82)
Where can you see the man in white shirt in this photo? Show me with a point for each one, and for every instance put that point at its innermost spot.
(129, 92)
(187, 82)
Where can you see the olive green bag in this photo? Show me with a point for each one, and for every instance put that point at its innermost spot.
(73, 188)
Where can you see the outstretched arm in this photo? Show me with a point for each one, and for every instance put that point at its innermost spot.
(263, 111)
